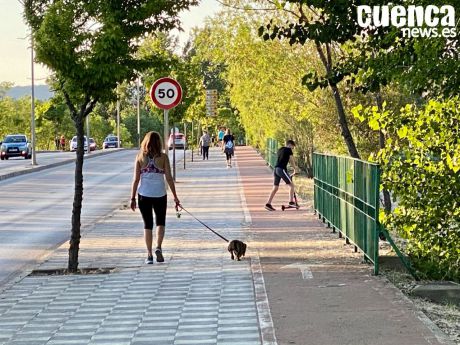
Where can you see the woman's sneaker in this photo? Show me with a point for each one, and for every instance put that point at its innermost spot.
(269, 207)
(149, 260)
(159, 255)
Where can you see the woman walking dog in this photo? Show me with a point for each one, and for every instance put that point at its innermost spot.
(151, 167)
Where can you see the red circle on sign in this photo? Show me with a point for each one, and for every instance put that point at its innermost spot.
(166, 93)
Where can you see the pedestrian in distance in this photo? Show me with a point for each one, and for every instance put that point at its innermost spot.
(205, 141)
(62, 142)
(57, 142)
(151, 168)
(285, 156)
(220, 137)
(229, 146)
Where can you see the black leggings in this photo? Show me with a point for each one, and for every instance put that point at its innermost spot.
(228, 153)
(146, 204)
(205, 152)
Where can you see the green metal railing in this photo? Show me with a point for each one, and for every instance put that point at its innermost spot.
(347, 198)
(271, 152)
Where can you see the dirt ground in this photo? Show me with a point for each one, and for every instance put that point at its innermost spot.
(445, 316)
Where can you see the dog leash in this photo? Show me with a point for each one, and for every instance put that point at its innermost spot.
(182, 208)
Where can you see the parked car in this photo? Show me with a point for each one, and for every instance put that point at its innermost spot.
(15, 145)
(179, 141)
(73, 143)
(92, 144)
(111, 141)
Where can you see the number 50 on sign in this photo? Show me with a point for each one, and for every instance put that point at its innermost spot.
(166, 93)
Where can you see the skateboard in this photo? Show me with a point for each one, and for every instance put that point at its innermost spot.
(296, 206)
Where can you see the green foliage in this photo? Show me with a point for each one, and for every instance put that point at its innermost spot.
(99, 128)
(262, 83)
(148, 123)
(424, 66)
(14, 116)
(421, 168)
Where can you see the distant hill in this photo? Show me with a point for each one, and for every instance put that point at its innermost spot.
(42, 92)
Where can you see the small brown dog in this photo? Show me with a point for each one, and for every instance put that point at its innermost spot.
(238, 248)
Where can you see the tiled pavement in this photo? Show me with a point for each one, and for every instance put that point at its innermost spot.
(198, 296)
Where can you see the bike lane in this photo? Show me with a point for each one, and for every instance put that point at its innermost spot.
(319, 291)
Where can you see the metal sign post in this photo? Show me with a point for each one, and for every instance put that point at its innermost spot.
(174, 151)
(185, 141)
(166, 129)
(88, 146)
(138, 115)
(193, 143)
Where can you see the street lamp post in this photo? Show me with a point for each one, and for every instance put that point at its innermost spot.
(88, 148)
(118, 119)
(32, 107)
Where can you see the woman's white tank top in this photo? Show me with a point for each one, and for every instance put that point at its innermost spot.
(152, 182)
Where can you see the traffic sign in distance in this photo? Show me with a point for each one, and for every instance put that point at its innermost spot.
(166, 93)
(211, 102)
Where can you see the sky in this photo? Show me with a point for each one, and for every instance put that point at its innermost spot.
(15, 63)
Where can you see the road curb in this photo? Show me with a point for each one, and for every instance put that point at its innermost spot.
(52, 165)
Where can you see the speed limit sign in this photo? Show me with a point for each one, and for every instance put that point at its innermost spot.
(166, 93)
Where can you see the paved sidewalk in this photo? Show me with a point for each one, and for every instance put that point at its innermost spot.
(199, 296)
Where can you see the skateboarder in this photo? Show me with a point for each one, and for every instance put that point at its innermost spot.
(285, 156)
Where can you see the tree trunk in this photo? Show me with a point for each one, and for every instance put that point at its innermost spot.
(308, 164)
(346, 134)
(326, 59)
(78, 196)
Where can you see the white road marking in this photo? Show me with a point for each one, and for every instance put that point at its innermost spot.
(304, 269)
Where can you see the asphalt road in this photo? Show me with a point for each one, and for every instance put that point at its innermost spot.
(43, 158)
(36, 207)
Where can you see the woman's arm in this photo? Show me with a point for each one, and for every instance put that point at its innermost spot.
(169, 179)
(136, 178)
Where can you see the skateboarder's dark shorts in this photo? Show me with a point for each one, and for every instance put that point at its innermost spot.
(279, 174)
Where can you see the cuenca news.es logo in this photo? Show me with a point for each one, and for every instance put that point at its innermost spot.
(414, 21)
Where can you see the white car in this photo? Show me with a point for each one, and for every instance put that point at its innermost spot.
(179, 141)
(73, 144)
